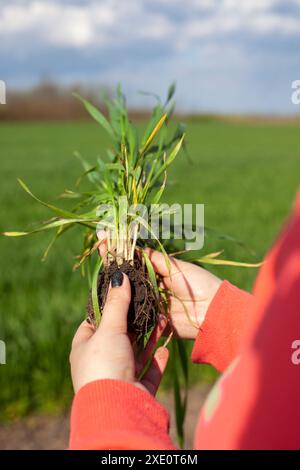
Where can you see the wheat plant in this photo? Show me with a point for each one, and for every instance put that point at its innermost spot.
(131, 175)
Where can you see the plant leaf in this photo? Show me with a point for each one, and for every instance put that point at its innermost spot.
(168, 161)
(159, 193)
(193, 255)
(179, 363)
(225, 262)
(60, 212)
(154, 132)
(171, 92)
(48, 226)
(14, 234)
(61, 230)
(96, 308)
(96, 114)
(86, 173)
(151, 272)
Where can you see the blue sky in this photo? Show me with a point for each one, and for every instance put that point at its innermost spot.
(225, 55)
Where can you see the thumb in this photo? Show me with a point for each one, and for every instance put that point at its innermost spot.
(114, 316)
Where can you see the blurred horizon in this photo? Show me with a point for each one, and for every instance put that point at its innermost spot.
(226, 56)
(49, 100)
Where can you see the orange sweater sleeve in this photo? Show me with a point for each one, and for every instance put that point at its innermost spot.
(111, 414)
(219, 336)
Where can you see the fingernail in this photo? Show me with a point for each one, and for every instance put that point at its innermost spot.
(117, 279)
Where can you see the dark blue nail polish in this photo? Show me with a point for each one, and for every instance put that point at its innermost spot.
(117, 279)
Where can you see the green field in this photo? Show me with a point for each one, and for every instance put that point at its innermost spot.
(245, 174)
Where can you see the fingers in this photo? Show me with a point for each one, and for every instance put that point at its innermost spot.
(114, 316)
(84, 332)
(150, 347)
(102, 248)
(158, 261)
(160, 265)
(156, 370)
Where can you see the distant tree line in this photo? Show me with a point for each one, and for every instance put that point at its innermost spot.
(50, 101)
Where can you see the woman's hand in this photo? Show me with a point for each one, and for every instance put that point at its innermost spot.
(192, 290)
(107, 353)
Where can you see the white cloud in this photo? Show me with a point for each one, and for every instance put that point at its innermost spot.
(200, 28)
(275, 23)
(248, 6)
(57, 23)
(148, 43)
(187, 4)
(93, 23)
(112, 22)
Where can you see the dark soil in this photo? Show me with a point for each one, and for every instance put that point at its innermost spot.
(143, 308)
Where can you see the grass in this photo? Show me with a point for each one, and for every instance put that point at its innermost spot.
(245, 174)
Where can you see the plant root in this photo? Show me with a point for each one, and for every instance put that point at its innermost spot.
(144, 305)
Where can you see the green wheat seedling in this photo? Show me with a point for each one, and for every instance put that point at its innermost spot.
(132, 173)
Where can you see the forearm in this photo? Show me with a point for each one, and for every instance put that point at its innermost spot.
(219, 336)
(112, 414)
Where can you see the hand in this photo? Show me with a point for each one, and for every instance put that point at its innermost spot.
(107, 353)
(192, 290)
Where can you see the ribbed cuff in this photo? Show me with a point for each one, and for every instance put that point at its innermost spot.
(112, 414)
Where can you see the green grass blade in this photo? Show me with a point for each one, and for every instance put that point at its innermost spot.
(51, 225)
(60, 212)
(179, 403)
(151, 272)
(159, 193)
(154, 132)
(183, 360)
(96, 114)
(14, 234)
(171, 92)
(142, 221)
(156, 115)
(183, 363)
(225, 262)
(168, 161)
(86, 173)
(193, 255)
(61, 230)
(95, 302)
(68, 194)
(85, 164)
